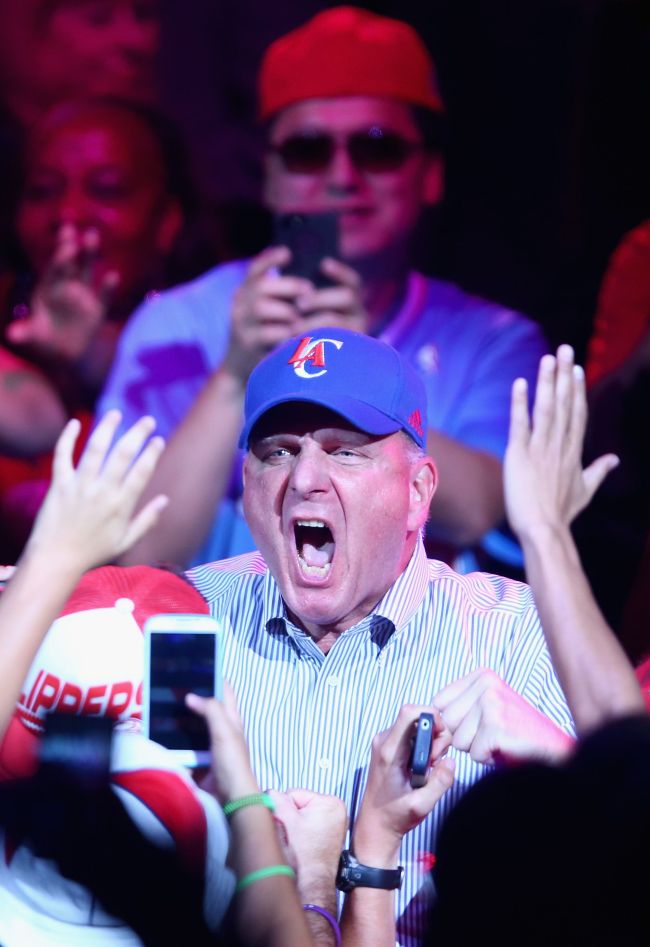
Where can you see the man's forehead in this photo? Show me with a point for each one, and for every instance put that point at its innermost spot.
(343, 112)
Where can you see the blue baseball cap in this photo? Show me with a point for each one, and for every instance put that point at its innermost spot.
(361, 378)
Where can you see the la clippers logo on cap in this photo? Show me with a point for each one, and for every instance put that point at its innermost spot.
(311, 351)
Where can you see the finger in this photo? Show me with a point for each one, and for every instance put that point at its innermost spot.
(457, 709)
(544, 406)
(284, 287)
(198, 704)
(337, 299)
(323, 319)
(467, 727)
(272, 256)
(519, 419)
(88, 250)
(578, 419)
(269, 309)
(301, 797)
(449, 693)
(398, 741)
(121, 456)
(98, 444)
(439, 781)
(596, 472)
(340, 272)
(137, 473)
(63, 264)
(441, 744)
(564, 390)
(145, 520)
(62, 461)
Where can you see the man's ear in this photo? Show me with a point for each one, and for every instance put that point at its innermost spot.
(433, 185)
(424, 480)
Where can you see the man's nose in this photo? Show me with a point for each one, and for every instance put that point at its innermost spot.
(309, 472)
(342, 173)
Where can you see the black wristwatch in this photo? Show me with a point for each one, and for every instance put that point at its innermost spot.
(352, 874)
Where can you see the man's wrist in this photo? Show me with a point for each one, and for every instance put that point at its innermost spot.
(381, 850)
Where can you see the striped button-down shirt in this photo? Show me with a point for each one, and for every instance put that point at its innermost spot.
(310, 718)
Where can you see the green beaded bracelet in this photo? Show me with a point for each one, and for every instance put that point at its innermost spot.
(256, 799)
(269, 872)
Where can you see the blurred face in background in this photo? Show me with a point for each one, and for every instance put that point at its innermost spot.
(99, 168)
(378, 192)
(52, 50)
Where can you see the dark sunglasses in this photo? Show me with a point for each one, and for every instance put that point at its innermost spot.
(373, 150)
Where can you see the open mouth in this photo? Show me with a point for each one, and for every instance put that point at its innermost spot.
(315, 545)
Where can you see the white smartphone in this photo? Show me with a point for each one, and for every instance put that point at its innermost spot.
(182, 655)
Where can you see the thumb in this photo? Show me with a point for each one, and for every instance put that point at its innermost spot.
(596, 472)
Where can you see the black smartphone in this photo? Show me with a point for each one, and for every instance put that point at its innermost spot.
(310, 237)
(421, 751)
(182, 655)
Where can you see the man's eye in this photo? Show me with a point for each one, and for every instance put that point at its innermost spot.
(278, 453)
(345, 453)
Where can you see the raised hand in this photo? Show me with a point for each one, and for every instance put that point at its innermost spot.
(69, 303)
(391, 807)
(231, 774)
(544, 481)
(87, 517)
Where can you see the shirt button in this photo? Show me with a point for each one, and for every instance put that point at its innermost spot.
(333, 680)
(324, 763)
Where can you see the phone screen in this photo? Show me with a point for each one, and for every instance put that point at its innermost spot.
(180, 663)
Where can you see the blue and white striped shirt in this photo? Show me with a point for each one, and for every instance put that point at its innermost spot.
(310, 718)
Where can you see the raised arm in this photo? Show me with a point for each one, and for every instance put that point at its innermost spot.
(87, 519)
(390, 808)
(545, 488)
(267, 908)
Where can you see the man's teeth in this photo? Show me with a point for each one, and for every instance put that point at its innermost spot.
(315, 547)
(318, 571)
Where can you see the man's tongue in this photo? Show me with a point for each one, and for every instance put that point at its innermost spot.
(317, 555)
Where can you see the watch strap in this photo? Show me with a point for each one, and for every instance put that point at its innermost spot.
(352, 874)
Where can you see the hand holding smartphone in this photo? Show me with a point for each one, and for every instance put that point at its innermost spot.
(182, 655)
(310, 237)
(419, 760)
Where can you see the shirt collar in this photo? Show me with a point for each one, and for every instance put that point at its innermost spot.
(397, 607)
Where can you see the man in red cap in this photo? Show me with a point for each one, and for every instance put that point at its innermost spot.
(354, 121)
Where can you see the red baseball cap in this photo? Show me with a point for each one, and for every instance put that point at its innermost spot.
(347, 51)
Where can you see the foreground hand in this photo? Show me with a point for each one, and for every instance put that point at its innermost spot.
(543, 477)
(231, 775)
(69, 303)
(492, 722)
(391, 807)
(312, 831)
(263, 313)
(338, 305)
(87, 516)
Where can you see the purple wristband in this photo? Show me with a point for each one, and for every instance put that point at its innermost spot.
(331, 920)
